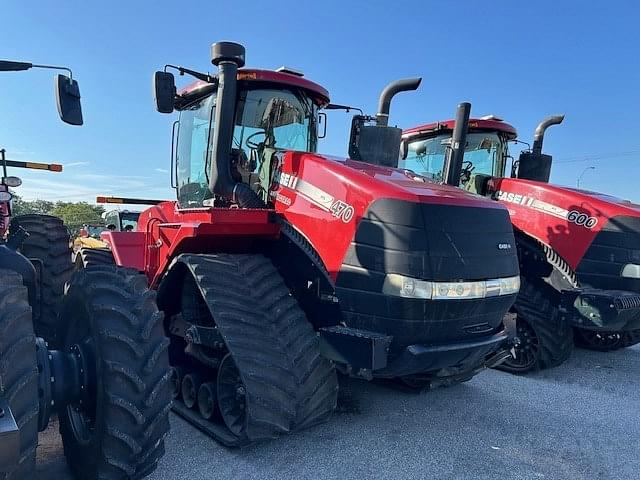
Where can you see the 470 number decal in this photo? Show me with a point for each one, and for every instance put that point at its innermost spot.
(342, 210)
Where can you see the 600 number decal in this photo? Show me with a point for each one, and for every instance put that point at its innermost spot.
(582, 219)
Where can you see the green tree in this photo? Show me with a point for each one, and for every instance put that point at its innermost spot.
(76, 214)
(24, 207)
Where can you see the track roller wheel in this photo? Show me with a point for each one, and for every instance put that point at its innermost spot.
(546, 339)
(190, 385)
(232, 397)
(48, 244)
(18, 373)
(207, 400)
(116, 428)
(175, 379)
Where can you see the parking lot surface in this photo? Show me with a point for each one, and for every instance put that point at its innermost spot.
(578, 421)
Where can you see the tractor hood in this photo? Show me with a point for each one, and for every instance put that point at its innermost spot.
(340, 205)
(405, 184)
(566, 218)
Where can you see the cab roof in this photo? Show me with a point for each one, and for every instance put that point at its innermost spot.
(271, 76)
(475, 124)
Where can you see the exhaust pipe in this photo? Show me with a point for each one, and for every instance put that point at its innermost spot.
(228, 57)
(402, 85)
(455, 156)
(538, 136)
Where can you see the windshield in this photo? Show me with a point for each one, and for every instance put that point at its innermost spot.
(94, 230)
(129, 221)
(267, 120)
(484, 154)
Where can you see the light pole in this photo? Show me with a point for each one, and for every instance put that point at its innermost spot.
(583, 172)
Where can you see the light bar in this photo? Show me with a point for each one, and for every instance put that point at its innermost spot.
(408, 287)
(52, 167)
(129, 201)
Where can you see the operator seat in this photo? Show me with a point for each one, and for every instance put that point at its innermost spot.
(477, 183)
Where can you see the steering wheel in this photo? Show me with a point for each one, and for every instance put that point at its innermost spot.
(465, 174)
(252, 144)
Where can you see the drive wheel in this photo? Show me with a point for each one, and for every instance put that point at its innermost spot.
(48, 243)
(18, 372)
(546, 339)
(232, 397)
(116, 429)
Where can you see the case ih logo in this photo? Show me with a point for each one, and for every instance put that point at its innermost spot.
(318, 197)
(573, 216)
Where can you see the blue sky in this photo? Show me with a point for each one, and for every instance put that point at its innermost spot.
(519, 60)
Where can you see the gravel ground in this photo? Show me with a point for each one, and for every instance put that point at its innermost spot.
(578, 421)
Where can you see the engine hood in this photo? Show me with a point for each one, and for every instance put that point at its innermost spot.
(407, 185)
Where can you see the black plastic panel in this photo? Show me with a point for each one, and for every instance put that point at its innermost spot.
(617, 244)
(431, 242)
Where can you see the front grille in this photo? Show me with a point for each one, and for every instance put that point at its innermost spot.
(430, 242)
(627, 302)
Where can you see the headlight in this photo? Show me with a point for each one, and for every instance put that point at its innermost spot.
(631, 270)
(5, 197)
(401, 286)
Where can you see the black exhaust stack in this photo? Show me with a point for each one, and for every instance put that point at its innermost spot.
(390, 91)
(378, 143)
(535, 165)
(228, 57)
(455, 152)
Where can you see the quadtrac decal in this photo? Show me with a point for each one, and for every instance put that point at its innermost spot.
(572, 216)
(318, 197)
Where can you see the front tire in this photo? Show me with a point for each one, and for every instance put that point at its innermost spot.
(546, 339)
(117, 429)
(18, 371)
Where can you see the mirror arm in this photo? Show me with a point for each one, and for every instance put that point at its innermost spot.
(205, 77)
(52, 67)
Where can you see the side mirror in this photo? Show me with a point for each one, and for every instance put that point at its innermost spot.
(68, 100)
(404, 149)
(164, 91)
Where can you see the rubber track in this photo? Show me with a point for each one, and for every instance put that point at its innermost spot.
(290, 386)
(90, 257)
(534, 305)
(128, 327)
(18, 371)
(48, 241)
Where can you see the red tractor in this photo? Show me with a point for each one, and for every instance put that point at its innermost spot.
(579, 251)
(88, 347)
(277, 265)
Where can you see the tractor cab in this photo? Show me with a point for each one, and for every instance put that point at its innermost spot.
(121, 220)
(486, 152)
(273, 111)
